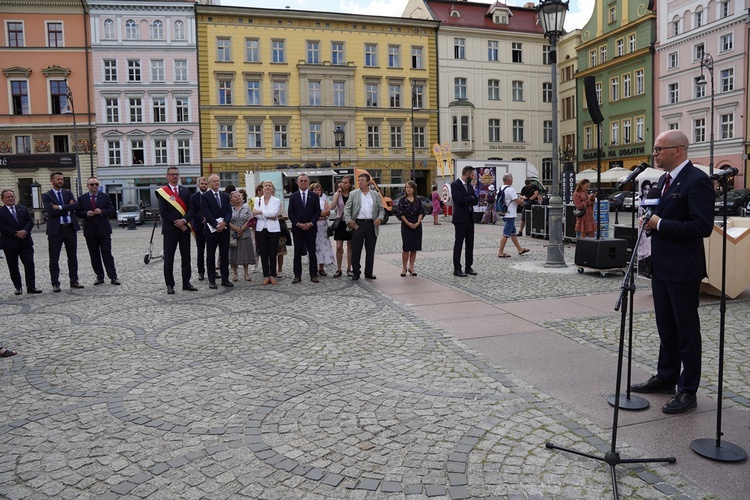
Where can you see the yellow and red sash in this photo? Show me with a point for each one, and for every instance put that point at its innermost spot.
(174, 200)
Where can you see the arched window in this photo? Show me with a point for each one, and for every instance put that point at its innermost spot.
(131, 30)
(179, 30)
(157, 30)
(109, 29)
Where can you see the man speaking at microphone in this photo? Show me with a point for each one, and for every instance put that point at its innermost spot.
(680, 221)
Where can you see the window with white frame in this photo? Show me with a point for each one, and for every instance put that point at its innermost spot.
(614, 89)
(137, 152)
(631, 43)
(109, 30)
(15, 34)
(619, 47)
(547, 131)
(339, 93)
(639, 129)
(160, 109)
(226, 135)
(673, 93)
(280, 136)
(698, 18)
(337, 53)
(225, 92)
(699, 130)
(626, 131)
(699, 50)
(313, 93)
(547, 166)
(518, 131)
(516, 51)
(131, 30)
(134, 70)
(254, 136)
(726, 80)
(460, 128)
(598, 89)
(626, 86)
(493, 90)
(459, 88)
(592, 57)
(157, 70)
(110, 70)
(603, 54)
(157, 30)
(182, 109)
(517, 90)
(493, 50)
(135, 107)
(587, 138)
(183, 151)
(253, 93)
(252, 50)
(726, 42)
(373, 136)
(112, 110)
(673, 60)
(545, 54)
(279, 93)
(315, 135)
(726, 123)
(23, 144)
(397, 136)
(639, 82)
(416, 58)
(278, 53)
(546, 92)
(419, 136)
(371, 95)
(724, 9)
(19, 90)
(179, 30)
(459, 48)
(180, 70)
(418, 96)
(394, 95)
(160, 152)
(493, 132)
(371, 55)
(313, 52)
(394, 56)
(55, 34)
(614, 133)
(114, 153)
(700, 87)
(675, 27)
(612, 14)
(223, 49)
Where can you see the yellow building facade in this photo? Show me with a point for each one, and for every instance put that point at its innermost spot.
(276, 84)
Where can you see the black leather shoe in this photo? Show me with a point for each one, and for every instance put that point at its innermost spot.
(681, 403)
(114, 281)
(76, 285)
(355, 276)
(170, 290)
(19, 291)
(55, 288)
(212, 286)
(189, 287)
(296, 280)
(99, 281)
(33, 290)
(470, 271)
(458, 272)
(653, 385)
(370, 277)
(227, 284)
(314, 279)
(201, 277)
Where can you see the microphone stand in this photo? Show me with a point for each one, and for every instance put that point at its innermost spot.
(612, 457)
(707, 447)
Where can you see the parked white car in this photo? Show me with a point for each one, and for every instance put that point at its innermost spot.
(130, 211)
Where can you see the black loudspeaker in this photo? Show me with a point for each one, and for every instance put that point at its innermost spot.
(589, 85)
(601, 254)
(570, 223)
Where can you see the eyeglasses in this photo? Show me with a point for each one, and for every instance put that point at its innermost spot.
(303, 180)
(93, 183)
(658, 151)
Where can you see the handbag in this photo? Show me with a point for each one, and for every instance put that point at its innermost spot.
(233, 240)
(579, 212)
(335, 226)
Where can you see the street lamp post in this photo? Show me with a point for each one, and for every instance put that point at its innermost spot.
(413, 135)
(708, 63)
(338, 136)
(552, 15)
(72, 110)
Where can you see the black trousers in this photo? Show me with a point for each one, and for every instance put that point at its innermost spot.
(220, 241)
(26, 255)
(305, 239)
(171, 242)
(267, 244)
(464, 233)
(67, 236)
(100, 250)
(200, 241)
(364, 236)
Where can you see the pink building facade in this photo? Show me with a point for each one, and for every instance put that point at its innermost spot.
(695, 31)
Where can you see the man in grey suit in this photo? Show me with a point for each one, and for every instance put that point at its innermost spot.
(363, 214)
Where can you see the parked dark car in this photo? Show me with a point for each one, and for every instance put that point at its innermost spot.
(426, 204)
(736, 199)
(616, 199)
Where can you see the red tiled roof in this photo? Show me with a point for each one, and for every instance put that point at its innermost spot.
(477, 15)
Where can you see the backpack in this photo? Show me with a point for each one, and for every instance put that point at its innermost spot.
(501, 207)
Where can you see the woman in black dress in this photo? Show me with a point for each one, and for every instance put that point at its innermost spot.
(342, 235)
(410, 212)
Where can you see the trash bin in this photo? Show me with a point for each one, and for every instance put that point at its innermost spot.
(131, 223)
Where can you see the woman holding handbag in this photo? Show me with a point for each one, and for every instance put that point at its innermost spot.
(241, 244)
(410, 213)
(341, 235)
(267, 231)
(585, 226)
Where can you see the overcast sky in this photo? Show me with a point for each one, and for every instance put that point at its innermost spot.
(578, 15)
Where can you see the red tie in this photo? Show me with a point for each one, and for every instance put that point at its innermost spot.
(666, 184)
(93, 203)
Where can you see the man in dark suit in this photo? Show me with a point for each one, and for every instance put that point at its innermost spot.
(464, 199)
(15, 239)
(218, 212)
(304, 212)
(682, 219)
(95, 208)
(199, 225)
(175, 211)
(62, 226)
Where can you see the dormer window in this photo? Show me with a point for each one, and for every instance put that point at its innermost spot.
(499, 13)
(455, 12)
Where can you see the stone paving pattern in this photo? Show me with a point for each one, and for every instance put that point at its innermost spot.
(306, 391)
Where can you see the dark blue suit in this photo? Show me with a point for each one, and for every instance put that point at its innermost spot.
(16, 248)
(98, 233)
(678, 265)
(59, 233)
(174, 236)
(464, 199)
(200, 238)
(299, 214)
(213, 211)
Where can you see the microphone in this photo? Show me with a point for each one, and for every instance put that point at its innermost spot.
(632, 175)
(652, 201)
(723, 174)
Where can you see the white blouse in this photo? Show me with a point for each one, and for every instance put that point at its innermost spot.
(272, 209)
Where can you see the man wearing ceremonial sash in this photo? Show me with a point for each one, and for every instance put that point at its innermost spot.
(175, 211)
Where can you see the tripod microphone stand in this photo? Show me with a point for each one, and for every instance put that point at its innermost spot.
(612, 457)
(707, 447)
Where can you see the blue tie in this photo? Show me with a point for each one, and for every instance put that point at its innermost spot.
(60, 199)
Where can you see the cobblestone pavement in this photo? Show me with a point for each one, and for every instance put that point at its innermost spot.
(275, 393)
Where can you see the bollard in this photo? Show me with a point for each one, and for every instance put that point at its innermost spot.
(131, 223)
